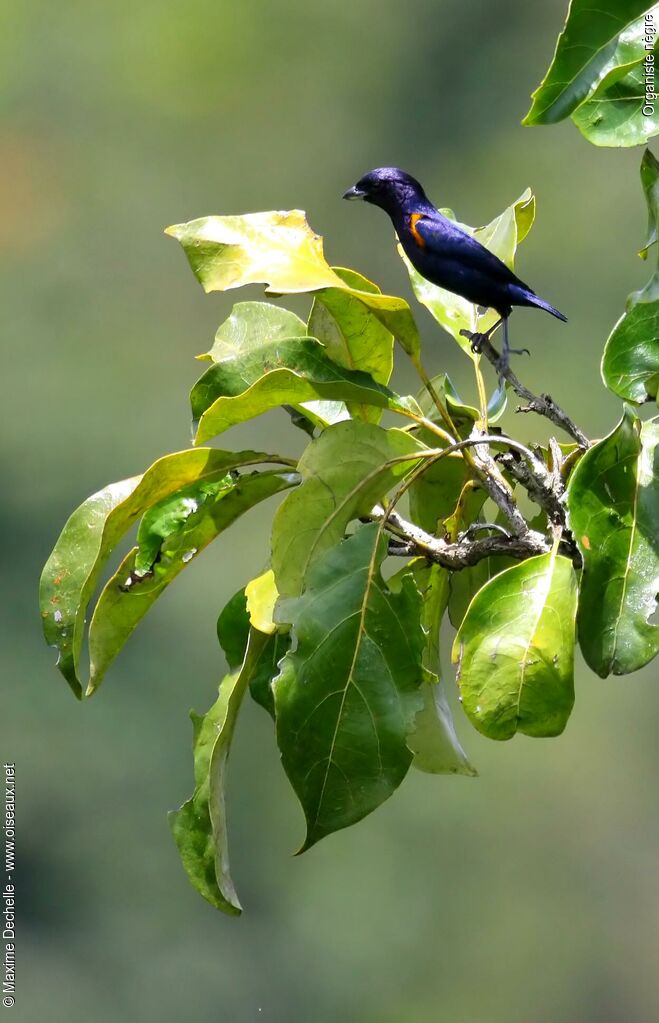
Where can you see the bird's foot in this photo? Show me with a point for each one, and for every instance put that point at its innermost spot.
(475, 339)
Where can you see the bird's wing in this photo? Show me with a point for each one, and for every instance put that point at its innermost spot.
(448, 241)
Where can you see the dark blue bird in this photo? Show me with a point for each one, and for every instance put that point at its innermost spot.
(444, 253)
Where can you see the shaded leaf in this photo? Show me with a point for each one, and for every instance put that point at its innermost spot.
(630, 363)
(126, 598)
(515, 650)
(94, 529)
(345, 472)
(199, 826)
(434, 741)
(347, 695)
(585, 55)
(613, 509)
(435, 495)
(502, 237)
(279, 249)
(286, 372)
(233, 629)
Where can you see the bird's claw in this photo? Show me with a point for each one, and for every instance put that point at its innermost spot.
(475, 339)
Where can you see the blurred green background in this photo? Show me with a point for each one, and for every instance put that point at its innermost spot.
(527, 894)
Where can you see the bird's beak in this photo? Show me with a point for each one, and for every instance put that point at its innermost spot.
(354, 193)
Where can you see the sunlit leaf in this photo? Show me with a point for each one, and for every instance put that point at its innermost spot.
(613, 507)
(630, 363)
(515, 650)
(285, 372)
(352, 335)
(586, 53)
(618, 114)
(345, 472)
(279, 249)
(94, 529)
(127, 596)
(199, 826)
(502, 237)
(261, 595)
(466, 583)
(251, 325)
(342, 732)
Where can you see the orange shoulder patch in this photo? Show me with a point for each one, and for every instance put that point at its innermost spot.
(414, 218)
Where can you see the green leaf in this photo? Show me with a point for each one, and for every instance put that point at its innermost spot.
(466, 583)
(127, 597)
(293, 371)
(233, 629)
(251, 325)
(434, 495)
(630, 363)
(613, 509)
(94, 529)
(345, 472)
(347, 696)
(585, 55)
(266, 668)
(352, 335)
(434, 741)
(614, 116)
(199, 827)
(502, 237)
(515, 650)
(281, 250)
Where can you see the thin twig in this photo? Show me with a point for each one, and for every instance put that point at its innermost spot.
(543, 404)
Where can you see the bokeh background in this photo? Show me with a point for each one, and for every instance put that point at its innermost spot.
(527, 894)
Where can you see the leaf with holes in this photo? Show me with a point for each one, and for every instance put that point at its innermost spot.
(96, 527)
(131, 593)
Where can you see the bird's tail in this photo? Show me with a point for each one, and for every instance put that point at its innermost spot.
(535, 300)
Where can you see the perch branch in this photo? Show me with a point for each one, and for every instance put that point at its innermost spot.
(543, 404)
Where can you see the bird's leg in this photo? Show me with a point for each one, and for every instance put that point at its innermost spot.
(507, 351)
(477, 339)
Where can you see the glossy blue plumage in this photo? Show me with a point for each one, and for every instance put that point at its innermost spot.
(442, 251)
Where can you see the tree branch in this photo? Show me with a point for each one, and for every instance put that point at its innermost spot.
(543, 404)
(411, 540)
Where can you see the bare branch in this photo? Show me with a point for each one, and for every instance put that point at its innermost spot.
(543, 404)
(412, 540)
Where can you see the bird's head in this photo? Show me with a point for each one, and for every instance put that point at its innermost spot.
(388, 187)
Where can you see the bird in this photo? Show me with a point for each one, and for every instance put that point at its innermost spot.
(446, 254)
